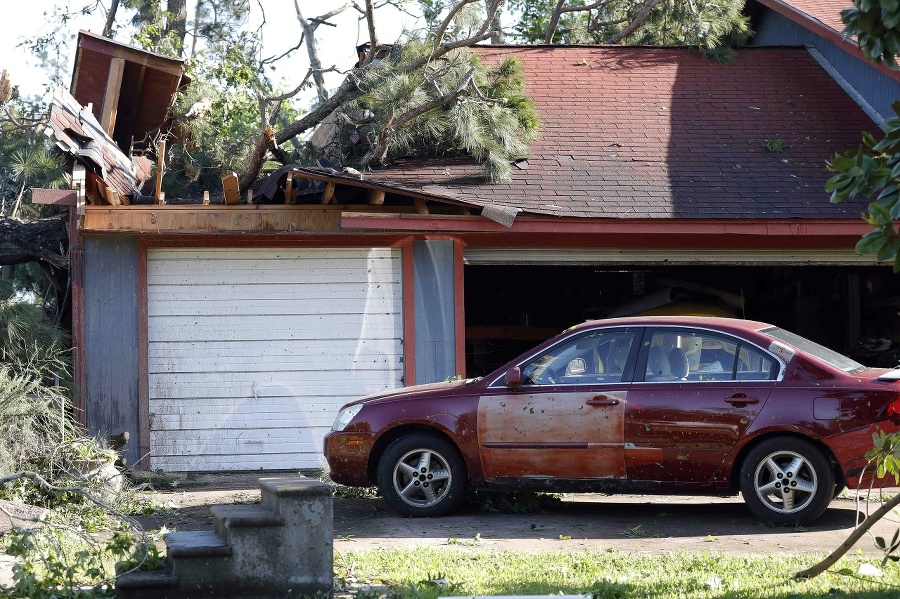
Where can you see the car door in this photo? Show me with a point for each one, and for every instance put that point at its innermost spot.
(700, 392)
(565, 419)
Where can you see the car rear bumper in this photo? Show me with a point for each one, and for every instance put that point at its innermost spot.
(850, 449)
(348, 457)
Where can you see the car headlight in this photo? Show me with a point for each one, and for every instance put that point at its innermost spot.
(345, 416)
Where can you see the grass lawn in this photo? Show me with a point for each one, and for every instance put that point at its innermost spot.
(427, 573)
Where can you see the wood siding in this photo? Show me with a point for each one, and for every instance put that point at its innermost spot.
(110, 343)
(253, 351)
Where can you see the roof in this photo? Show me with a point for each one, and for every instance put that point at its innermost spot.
(663, 133)
(129, 89)
(826, 13)
(75, 131)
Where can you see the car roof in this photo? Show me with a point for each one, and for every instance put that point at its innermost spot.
(715, 322)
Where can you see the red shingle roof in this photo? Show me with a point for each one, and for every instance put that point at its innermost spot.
(664, 133)
(826, 12)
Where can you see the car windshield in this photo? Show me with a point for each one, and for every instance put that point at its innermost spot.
(821, 352)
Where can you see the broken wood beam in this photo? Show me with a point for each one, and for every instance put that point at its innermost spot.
(230, 186)
(289, 189)
(328, 194)
(206, 198)
(160, 162)
(250, 196)
(111, 98)
(421, 206)
(376, 197)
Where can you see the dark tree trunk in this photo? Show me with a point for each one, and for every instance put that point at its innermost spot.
(177, 22)
(44, 240)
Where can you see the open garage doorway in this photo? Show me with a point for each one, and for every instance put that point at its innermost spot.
(511, 308)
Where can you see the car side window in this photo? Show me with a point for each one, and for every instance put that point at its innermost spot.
(753, 365)
(595, 357)
(701, 356)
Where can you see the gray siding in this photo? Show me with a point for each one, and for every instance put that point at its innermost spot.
(111, 338)
(878, 89)
(434, 311)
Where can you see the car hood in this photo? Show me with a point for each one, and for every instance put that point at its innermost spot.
(415, 391)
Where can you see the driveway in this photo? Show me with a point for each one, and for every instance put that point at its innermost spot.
(646, 523)
(651, 524)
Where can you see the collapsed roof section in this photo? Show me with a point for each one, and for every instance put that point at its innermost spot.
(128, 89)
(627, 133)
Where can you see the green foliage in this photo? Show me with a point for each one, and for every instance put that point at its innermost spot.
(58, 562)
(702, 23)
(873, 170)
(876, 26)
(776, 146)
(491, 120)
(428, 573)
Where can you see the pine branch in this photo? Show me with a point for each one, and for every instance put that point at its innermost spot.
(377, 153)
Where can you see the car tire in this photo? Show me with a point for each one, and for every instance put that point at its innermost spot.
(421, 475)
(786, 480)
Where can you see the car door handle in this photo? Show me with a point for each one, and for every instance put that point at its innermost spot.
(602, 400)
(741, 399)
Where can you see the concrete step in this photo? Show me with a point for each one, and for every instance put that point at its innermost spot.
(195, 544)
(243, 516)
(153, 584)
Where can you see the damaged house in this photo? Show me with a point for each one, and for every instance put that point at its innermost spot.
(226, 335)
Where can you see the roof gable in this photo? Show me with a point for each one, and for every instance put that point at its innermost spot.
(663, 133)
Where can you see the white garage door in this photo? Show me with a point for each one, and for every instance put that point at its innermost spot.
(253, 351)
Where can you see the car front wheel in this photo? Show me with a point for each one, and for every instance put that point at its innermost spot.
(422, 474)
(786, 481)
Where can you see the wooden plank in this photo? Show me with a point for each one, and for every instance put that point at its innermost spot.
(376, 197)
(421, 207)
(230, 186)
(258, 218)
(270, 461)
(111, 97)
(206, 198)
(160, 164)
(53, 197)
(289, 189)
(328, 194)
(250, 196)
(78, 184)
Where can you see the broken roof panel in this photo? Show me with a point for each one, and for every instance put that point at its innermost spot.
(77, 132)
(130, 90)
(664, 133)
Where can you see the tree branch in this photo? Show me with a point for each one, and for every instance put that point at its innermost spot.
(27, 241)
(376, 154)
(856, 535)
(636, 22)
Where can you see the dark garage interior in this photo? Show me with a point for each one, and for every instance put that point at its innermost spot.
(852, 309)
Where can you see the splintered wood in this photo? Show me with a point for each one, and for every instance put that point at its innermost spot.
(230, 187)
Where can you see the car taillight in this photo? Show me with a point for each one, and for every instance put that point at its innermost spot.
(893, 409)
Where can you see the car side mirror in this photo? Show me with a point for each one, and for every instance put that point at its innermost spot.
(513, 377)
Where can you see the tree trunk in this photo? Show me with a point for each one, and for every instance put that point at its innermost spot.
(312, 49)
(496, 25)
(176, 22)
(25, 241)
(110, 18)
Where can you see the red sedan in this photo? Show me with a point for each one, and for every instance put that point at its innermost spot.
(676, 405)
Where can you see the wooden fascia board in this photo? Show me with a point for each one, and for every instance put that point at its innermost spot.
(256, 218)
(813, 25)
(53, 197)
(854, 227)
(381, 187)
